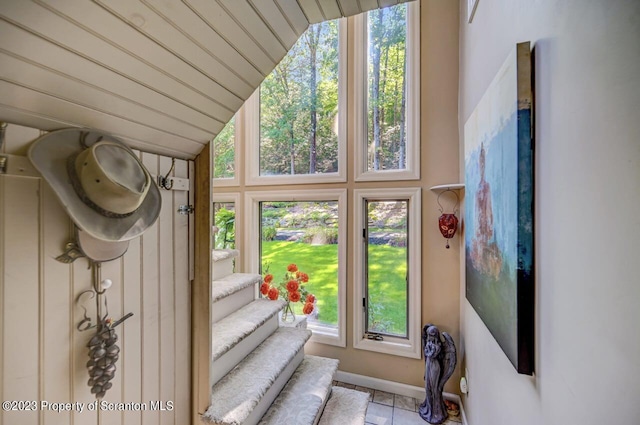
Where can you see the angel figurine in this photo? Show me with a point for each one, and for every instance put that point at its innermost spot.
(440, 360)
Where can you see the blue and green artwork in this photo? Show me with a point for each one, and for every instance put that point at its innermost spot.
(499, 209)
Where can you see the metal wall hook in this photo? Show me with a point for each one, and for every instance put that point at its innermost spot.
(165, 182)
(85, 323)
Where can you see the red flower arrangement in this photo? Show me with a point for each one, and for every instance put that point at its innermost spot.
(290, 288)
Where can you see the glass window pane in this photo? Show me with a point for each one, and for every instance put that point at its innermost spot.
(304, 234)
(386, 94)
(299, 107)
(224, 152)
(224, 217)
(386, 267)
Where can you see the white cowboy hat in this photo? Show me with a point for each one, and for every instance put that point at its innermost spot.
(104, 187)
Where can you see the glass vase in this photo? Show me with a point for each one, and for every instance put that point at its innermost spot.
(288, 316)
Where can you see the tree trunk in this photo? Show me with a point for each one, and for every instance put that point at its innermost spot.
(402, 149)
(292, 153)
(313, 40)
(376, 39)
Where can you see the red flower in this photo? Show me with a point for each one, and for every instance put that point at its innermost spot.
(304, 277)
(273, 293)
(264, 288)
(311, 298)
(268, 278)
(294, 296)
(292, 286)
(308, 308)
(292, 268)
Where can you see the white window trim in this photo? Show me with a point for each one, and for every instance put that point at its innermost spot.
(232, 181)
(236, 199)
(252, 214)
(412, 172)
(397, 346)
(252, 124)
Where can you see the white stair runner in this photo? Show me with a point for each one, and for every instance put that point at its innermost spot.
(345, 407)
(237, 290)
(235, 336)
(241, 396)
(303, 398)
(234, 328)
(231, 284)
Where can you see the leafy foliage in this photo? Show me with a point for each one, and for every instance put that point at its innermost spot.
(224, 151)
(299, 107)
(225, 221)
(387, 88)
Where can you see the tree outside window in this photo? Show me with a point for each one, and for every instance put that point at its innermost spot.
(299, 107)
(224, 152)
(387, 82)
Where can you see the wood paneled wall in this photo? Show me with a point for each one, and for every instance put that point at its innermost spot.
(43, 355)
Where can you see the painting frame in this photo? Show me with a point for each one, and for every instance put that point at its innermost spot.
(499, 219)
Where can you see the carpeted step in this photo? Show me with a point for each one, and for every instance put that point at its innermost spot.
(345, 407)
(245, 393)
(231, 293)
(301, 401)
(223, 262)
(235, 336)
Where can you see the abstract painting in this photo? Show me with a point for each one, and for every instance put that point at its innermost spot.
(498, 149)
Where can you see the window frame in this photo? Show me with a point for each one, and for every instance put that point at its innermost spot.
(252, 125)
(252, 212)
(411, 346)
(412, 170)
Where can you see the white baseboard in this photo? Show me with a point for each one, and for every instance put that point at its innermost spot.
(395, 387)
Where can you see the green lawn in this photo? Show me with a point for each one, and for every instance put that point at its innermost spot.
(387, 267)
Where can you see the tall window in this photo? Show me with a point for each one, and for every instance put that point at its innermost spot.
(386, 267)
(387, 270)
(299, 133)
(386, 97)
(299, 107)
(387, 100)
(294, 132)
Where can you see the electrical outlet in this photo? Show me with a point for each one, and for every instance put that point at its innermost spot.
(464, 382)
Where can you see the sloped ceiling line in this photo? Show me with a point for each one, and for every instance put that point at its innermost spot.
(164, 75)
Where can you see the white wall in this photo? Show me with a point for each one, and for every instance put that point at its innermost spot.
(42, 354)
(587, 125)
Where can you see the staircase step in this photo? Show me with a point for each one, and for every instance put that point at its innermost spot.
(245, 393)
(235, 336)
(223, 262)
(237, 290)
(301, 401)
(345, 407)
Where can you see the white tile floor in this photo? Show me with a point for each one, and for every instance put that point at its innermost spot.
(394, 409)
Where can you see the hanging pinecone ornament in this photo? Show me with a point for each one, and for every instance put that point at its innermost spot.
(103, 354)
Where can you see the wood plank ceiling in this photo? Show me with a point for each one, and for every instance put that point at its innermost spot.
(164, 75)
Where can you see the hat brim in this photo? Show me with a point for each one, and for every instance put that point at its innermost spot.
(49, 155)
(99, 250)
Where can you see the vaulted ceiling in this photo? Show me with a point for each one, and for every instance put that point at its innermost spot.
(164, 75)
